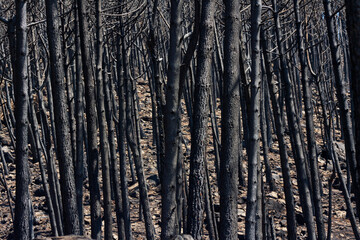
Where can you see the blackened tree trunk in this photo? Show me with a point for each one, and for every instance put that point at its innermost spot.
(91, 115)
(311, 142)
(128, 92)
(254, 122)
(37, 155)
(188, 56)
(114, 166)
(169, 221)
(200, 121)
(345, 116)
(104, 143)
(121, 144)
(337, 169)
(295, 135)
(284, 159)
(132, 136)
(157, 90)
(79, 111)
(22, 202)
(54, 210)
(245, 91)
(230, 139)
(52, 176)
(353, 29)
(264, 138)
(67, 177)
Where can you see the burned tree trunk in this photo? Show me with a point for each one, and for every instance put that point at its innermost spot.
(230, 140)
(67, 177)
(295, 135)
(104, 143)
(200, 121)
(310, 131)
(254, 123)
(169, 223)
(284, 159)
(22, 203)
(91, 116)
(353, 20)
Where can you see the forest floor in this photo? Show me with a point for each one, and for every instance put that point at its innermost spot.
(275, 201)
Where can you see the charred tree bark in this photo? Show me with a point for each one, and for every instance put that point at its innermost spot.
(52, 174)
(64, 150)
(345, 115)
(133, 141)
(264, 139)
(122, 146)
(230, 140)
(110, 109)
(91, 116)
(284, 159)
(200, 122)
(104, 143)
(37, 155)
(254, 123)
(168, 195)
(337, 169)
(79, 117)
(157, 90)
(23, 219)
(311, 142)
(295, 135)
(353, 29)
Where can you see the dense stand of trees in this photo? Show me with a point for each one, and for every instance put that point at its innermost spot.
(277, 73)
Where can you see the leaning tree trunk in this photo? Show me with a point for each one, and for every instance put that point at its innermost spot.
(284, 159)
(200, 121)
(22, 202)
(67, 177)
(345, 115)
(132, 136)
(254, 123)
(133, 140)
(37, 155)
(91, 115)
(295, 135)
(169, 223)
(311, 141)
(230, 139)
